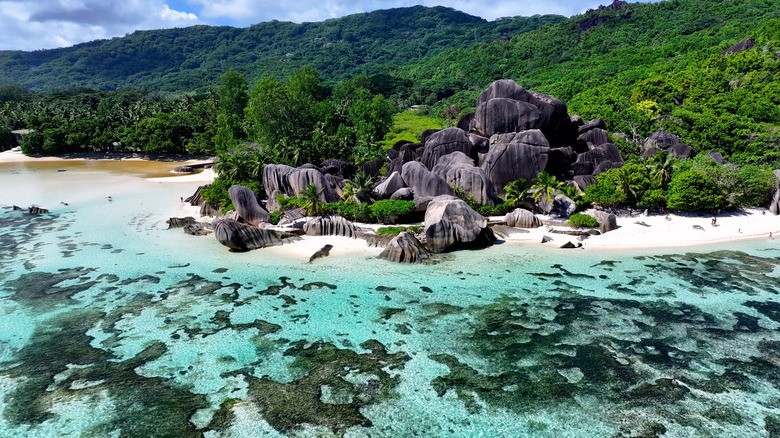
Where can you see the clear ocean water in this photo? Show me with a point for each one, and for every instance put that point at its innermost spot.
(114, 326)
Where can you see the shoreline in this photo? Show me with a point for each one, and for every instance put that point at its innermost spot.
(677, 231)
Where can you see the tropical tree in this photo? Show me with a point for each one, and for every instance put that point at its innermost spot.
(545, 188)
(661, 167)
(312, 205)
(693, 190)
(359, 189)
(516, 193)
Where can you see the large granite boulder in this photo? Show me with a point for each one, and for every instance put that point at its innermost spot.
(507, 162)
(504, 88)
(299, 178)
(740, 46)
(423, 182)
(392, 184)
(594, 137)
(373, 168)
(197, 198)
(501, 115)
(682, 151)
(272, 204)
(180, 222)
(774, 206)
(607, 221)
(405, 248)
(556, 124)
(584, 181)
(590, 125)
(562, 206)
(338, 168)
(458, 170)
(522, 218)
(329, 226)
(534, 137)
(450, 224)
(465, 122)
(445, 142)
(587, 162)
(275, 178)
(242, 237)
(404, 194)
(717, 156)
(245, 202)
(662, 140)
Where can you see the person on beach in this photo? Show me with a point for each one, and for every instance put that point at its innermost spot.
(714, 221)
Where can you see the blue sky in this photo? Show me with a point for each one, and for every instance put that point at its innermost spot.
(45, 24)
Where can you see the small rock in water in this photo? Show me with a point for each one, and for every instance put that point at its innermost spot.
(323, 252)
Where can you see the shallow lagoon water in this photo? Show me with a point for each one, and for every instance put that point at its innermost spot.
(115, 326)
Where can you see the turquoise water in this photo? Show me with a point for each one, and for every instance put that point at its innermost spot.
(114, 326)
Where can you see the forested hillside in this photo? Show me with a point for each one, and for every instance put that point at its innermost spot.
(640, 67)
(188, 59)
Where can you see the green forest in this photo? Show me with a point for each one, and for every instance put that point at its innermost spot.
(345, 89)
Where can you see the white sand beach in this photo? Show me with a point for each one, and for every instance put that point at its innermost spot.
(659, 231)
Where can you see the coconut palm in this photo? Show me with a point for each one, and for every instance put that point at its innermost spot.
(312, 205)
(545, 187)
(661, 166)
(516, 193)
(359, 189)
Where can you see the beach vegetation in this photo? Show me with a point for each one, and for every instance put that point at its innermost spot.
(359, 189)
(583, 221)
(693, 190)
(516, 193)
(312, 204)
(388, 208)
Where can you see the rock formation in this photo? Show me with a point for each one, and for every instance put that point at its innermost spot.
(245, 202)
(445, 142)
(275, 178)
(507, 162)
(522, 218)
(330, 226)
(180, 222)
(242, 237)
(423, 182)
(774, 207)
(458, 170)
(451, 224)
(607, 221)
(392, 184)
(405, 248)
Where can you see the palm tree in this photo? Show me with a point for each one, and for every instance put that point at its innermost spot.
(359, 189)
(660, 167)
(545, 187)
(312, 205)
(626, 184)
(516, 193)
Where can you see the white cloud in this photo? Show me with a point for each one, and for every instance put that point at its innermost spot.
(39, 24)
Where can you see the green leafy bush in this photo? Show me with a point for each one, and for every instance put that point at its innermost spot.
(583, 220)
(217, 193)
(693, 190)
(390, 231)
(496, 210)
(382, 210)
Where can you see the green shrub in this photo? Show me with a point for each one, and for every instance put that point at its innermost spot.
(583, 220)
(693, 190)
(496, 210)
(654, 198)
(390, 231)
(381, 210)
(217, 193)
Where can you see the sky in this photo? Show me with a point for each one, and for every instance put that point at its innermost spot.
(47, 24)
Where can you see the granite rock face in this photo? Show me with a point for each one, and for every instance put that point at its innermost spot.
(242, 237)
(392, 184)
(405, 248)
(451, 224)
(774, 207)
(423, 182)
(588, 162)
(458, 170)
(666, 141)
(607, 221)
(330, 226)
(507, 162)
(501, 115)
(180, 222)
(522, 218)
(275, 179)
(445, 142)
(245, 202)
(299, 178)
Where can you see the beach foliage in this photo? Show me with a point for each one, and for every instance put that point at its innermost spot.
(693, 190)
(385, 209)
(583, 220)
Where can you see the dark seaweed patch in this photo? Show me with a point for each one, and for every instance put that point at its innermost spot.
(318, 284)
(43, 288)
(289, 406)
(64, 341)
